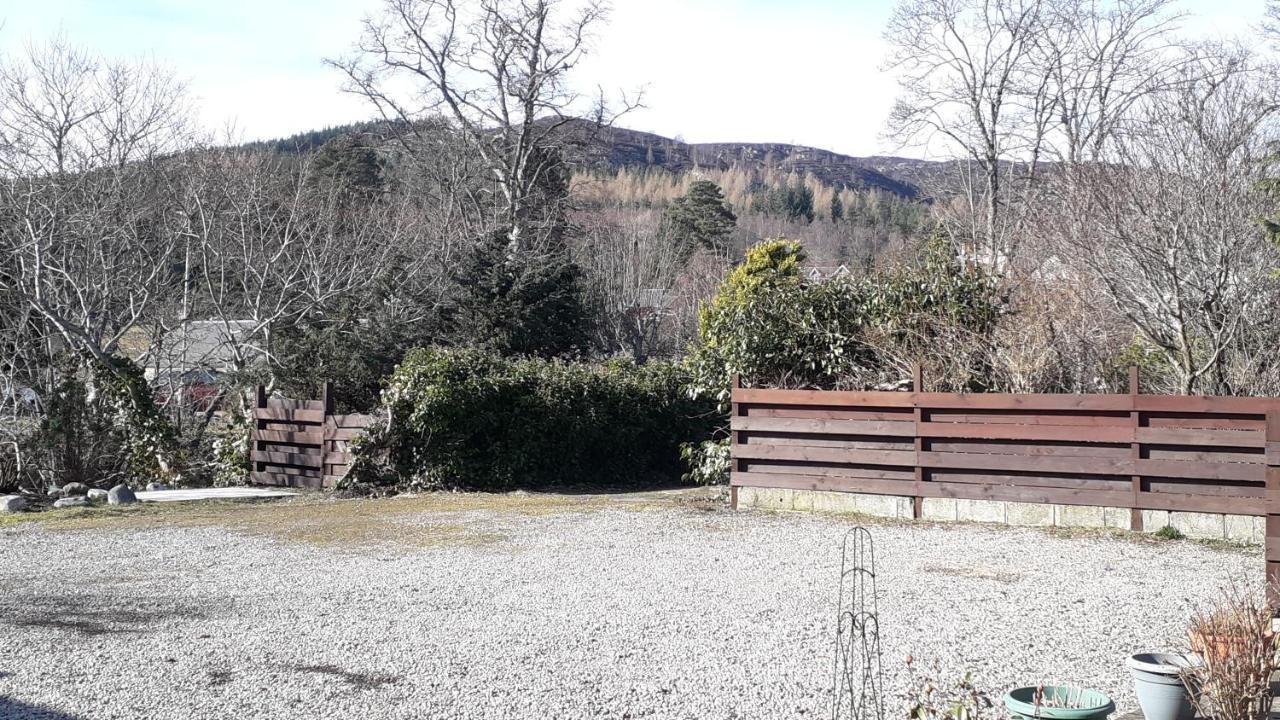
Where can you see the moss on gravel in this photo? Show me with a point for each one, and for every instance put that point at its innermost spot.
(422, 520)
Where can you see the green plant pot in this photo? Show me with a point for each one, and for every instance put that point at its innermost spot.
(1093, 704)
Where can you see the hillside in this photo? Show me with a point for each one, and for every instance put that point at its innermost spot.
(621, 147)
(899, 176)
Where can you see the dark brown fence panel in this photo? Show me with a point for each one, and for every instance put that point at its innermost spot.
(301, 443)
(339, 430)
(1143, 452)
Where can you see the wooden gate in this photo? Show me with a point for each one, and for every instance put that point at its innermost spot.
(301, 443)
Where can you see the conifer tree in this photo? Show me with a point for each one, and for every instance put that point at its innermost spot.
(701, 218)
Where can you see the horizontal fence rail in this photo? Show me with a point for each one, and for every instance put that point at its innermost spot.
(301, 443)
(1141, 452)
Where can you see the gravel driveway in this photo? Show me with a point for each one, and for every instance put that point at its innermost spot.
(590, 607)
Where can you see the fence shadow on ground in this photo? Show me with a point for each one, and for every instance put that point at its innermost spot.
(10, 708)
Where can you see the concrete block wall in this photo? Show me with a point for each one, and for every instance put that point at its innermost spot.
(1205, 526)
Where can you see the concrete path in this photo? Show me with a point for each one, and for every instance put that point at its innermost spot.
(226, 493)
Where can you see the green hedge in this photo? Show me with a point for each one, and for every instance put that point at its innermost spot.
(473, 419)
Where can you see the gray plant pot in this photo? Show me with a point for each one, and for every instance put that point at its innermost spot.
(1158, 681)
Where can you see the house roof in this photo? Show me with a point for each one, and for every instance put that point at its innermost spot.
(198, 344)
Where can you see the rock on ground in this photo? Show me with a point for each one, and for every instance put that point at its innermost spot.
(12, 503)
(121, 495)
(69, 502)
(663, 612)
(75, 489)
(96, 496)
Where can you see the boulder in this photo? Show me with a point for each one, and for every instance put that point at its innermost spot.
(54, 492)
(75, 489)
(153, 486)
(69, 502)
(96, 496)
(12, 503)
(121, 495)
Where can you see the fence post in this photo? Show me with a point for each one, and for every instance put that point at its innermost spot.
(327, 446)
(1135, 449)
(1273, 501)
(735, 465)
(326, 397)
(259, 401)
(917, 386)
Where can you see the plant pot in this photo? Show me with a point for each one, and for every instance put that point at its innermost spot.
(1158, 680)
(1093, 705)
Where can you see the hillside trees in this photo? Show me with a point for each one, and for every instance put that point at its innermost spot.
(792, 201)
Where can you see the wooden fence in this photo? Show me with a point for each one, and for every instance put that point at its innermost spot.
(1142, 452)
(301, 443)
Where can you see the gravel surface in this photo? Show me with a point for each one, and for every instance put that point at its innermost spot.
(613, 611)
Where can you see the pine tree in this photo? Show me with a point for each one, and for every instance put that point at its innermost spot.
(700, 218)
(527, 300)
(529, 304)
(351, 160)
(837, 207)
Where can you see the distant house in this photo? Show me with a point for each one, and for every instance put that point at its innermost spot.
(819, 273)
(653, 300)
(185, 363)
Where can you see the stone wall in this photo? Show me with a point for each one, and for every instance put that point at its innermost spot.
(1205, 526)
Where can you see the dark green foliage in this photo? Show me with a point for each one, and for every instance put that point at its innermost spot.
(528, 303)
(794, 202)
(1169, 532)
(101, 426)
(351, 161)
(307, 141)
(771, 327)
(476, 420)
(74, 442)
(837, 207)
(701, 218)
(354, 353)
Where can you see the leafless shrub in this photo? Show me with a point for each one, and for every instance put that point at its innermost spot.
(1234, 638)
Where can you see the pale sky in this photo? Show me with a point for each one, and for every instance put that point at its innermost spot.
(795, 71)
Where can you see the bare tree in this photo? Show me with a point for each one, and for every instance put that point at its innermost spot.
(632, 271)
(969, 86)
(89, 250)
(498, 70)
(272, 248)
(1101, 60)
(1167, 224)
(88, 244)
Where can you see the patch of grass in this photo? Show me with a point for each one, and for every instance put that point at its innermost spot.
(425, 520)
(314, 520)
(11, 519)
(1169, 532)
(1224, 544)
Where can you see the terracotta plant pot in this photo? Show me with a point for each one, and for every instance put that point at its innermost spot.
(1214, 648)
